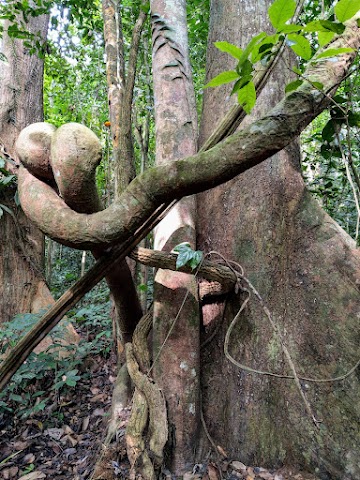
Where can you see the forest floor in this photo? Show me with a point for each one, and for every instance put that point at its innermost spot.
(64, 440)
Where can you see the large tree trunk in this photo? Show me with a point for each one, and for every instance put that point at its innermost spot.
(21, 244)
(307, 270)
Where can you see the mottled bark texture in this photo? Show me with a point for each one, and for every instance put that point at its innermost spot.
(120, 89)
(308, 271)
(22, 286)
(177, 356)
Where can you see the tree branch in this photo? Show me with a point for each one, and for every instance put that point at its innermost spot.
(208, 270)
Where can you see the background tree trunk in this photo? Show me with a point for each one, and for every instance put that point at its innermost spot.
(307, 270)
(22, 287)
(21, 244)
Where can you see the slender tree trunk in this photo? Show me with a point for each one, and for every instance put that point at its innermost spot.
(175, 294)
(306, 269)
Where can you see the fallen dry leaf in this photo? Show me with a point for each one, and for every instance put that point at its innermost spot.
(85, 423)
(213, 473)
(29, 458)
(222, 451)
(34, 475)
(9, 473)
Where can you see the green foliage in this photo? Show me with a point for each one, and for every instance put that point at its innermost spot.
(332, 52)
(330, 157)
(300, 45)
(27, 393)
(300, 38)
(198, 12)
(6, 179)
(17, 14)
(346, 9)
(232, 50)
(222, 78)
(187, 256)
(281, 11)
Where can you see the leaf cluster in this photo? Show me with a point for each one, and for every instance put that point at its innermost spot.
(187, 256)
(263, 47)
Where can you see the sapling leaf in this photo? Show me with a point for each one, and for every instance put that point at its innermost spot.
(318, 85)
(328, 131)
(222, 78)
(332, 52)
(281, 11)
(247, 97)
(290, 87)
(229, 48)
(325, 37)
(300, 45)
(346, 9)
(292, 28)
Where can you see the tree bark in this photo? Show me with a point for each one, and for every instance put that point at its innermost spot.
(21, 246)
(306, 268)
(176, 310)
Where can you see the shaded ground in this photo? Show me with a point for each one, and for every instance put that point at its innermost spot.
(65, 439)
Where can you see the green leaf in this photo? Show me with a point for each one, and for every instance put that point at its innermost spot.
(187, 256)
(340, 99)
(292, 28)
(145, 7)
(241, 83)
(318, 85)
(264, 47)
(325, 37)
(229, 48)
(300, 45)
(182, 247)
(290, 87)
(324, 26)
(328, 131)
(222, 78)
(335, 27)
(281, 11)
(354, 119)
(251, 46)
(247, 97)
(16, 398)
(245, 69)
(346, 9)
(333, 52)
